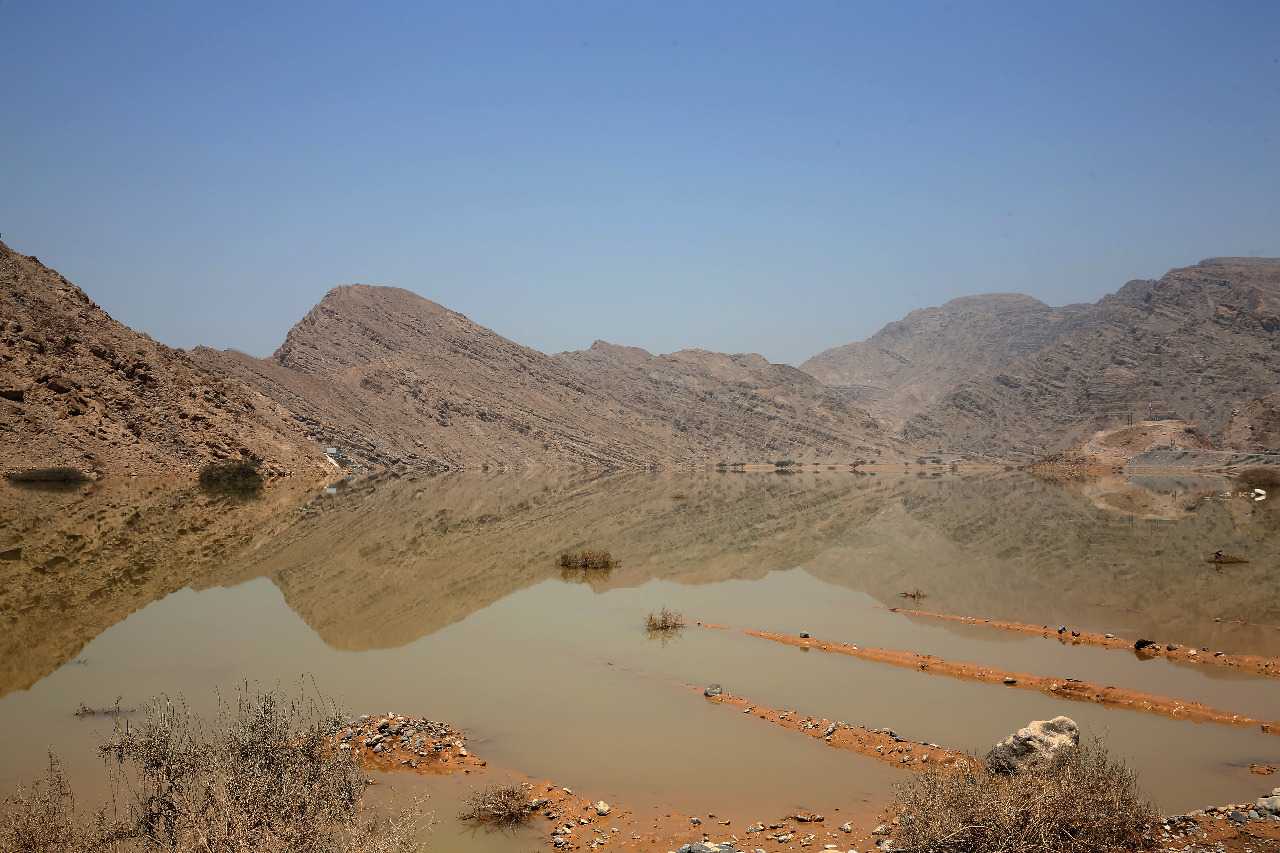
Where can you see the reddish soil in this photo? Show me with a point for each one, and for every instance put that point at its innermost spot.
(1063, 688)
(1256, 664)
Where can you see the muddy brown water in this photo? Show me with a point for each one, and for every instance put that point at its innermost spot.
(440, 597)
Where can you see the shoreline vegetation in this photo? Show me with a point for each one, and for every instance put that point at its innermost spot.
(269, 758)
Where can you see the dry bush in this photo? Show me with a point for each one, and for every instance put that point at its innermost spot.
(259, 779)
(664, 620)
(62, 474)
(587, 560)
(42, 819)
(1083, 803)
(1259, 478)
(914, 594)
(233, 477)
(499, 805)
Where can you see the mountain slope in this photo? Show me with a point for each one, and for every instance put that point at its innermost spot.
(392, 377)
(910, 365)
(1195, 345)
(79, 389)
(736, 406)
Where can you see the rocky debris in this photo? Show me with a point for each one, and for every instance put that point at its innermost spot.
(1034, 746)
(713, 690)
(394, 742)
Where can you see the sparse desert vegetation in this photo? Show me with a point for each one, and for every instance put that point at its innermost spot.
(58, 474)
(1086, 802)
(235, 477)
(1259, 478)
(914, 594)
(664, 621)
(587, 560)
(259, 778)
(499, 805)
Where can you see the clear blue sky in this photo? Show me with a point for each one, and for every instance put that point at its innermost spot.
(738, 176)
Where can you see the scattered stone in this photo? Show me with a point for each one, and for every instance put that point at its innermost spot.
(1142, 644)
(1109, 636)
(1009, 679)
(803, 635)
(1036, 745)
(713, 690)
(846, 827)
(602, 808)
(695, 821)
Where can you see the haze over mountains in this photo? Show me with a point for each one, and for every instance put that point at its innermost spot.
(392, 378)
(1008, 377)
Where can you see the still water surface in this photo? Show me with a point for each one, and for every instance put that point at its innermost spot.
(440, 597)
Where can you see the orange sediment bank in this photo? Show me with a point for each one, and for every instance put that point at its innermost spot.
(1062, 688)
(1246, 663)
(881, 744)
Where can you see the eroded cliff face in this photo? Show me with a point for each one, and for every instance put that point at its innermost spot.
(393, 378)
(79, 389)
(912, 364)
(1195, 345)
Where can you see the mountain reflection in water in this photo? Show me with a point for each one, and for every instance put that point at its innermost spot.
(390, 559)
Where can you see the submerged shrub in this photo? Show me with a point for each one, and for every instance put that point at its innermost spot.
(499, 805)
(1083, 803)
(587, 560)
(238, 476)
(1259, 478)
(664, 620)
(59, 474)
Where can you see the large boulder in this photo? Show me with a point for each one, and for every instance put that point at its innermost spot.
(1034, 747)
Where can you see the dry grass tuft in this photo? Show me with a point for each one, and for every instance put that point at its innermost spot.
(1084, 803)
(914, 594)
(663, 621)
(499, 806)
(587, 560)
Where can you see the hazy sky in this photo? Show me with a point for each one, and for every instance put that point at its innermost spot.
(739, 176)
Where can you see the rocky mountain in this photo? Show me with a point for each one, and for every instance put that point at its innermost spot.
(1254, 426)
(79, 389)
(393, 378)
(910, 365)
(735, 406)
(1195, 345)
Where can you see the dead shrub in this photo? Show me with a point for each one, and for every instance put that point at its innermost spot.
(499, 806)
(240, 476)
(1259, 478)
(664, 621)
(1084, 803)
(60, 474)
(259, 778)
(914, 594)
(587, 560)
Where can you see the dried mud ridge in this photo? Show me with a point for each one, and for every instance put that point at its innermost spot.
(1062, 688)
(881, 744)
(1143, 648)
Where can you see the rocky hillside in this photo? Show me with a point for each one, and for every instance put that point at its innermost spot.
(1254, 426)
(392, 378)
(1195, 345)
(79, 389)
(737, 407)
(910, 365)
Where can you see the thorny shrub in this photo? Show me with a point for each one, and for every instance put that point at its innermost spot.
(1083, 803)
(260, 779)
(499, 806)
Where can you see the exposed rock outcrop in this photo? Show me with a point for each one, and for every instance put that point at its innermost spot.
(79, 389)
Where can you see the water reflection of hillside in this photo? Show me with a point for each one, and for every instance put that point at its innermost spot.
(1011, 547)
(398, 559)
(75, 562)
(390, 560)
